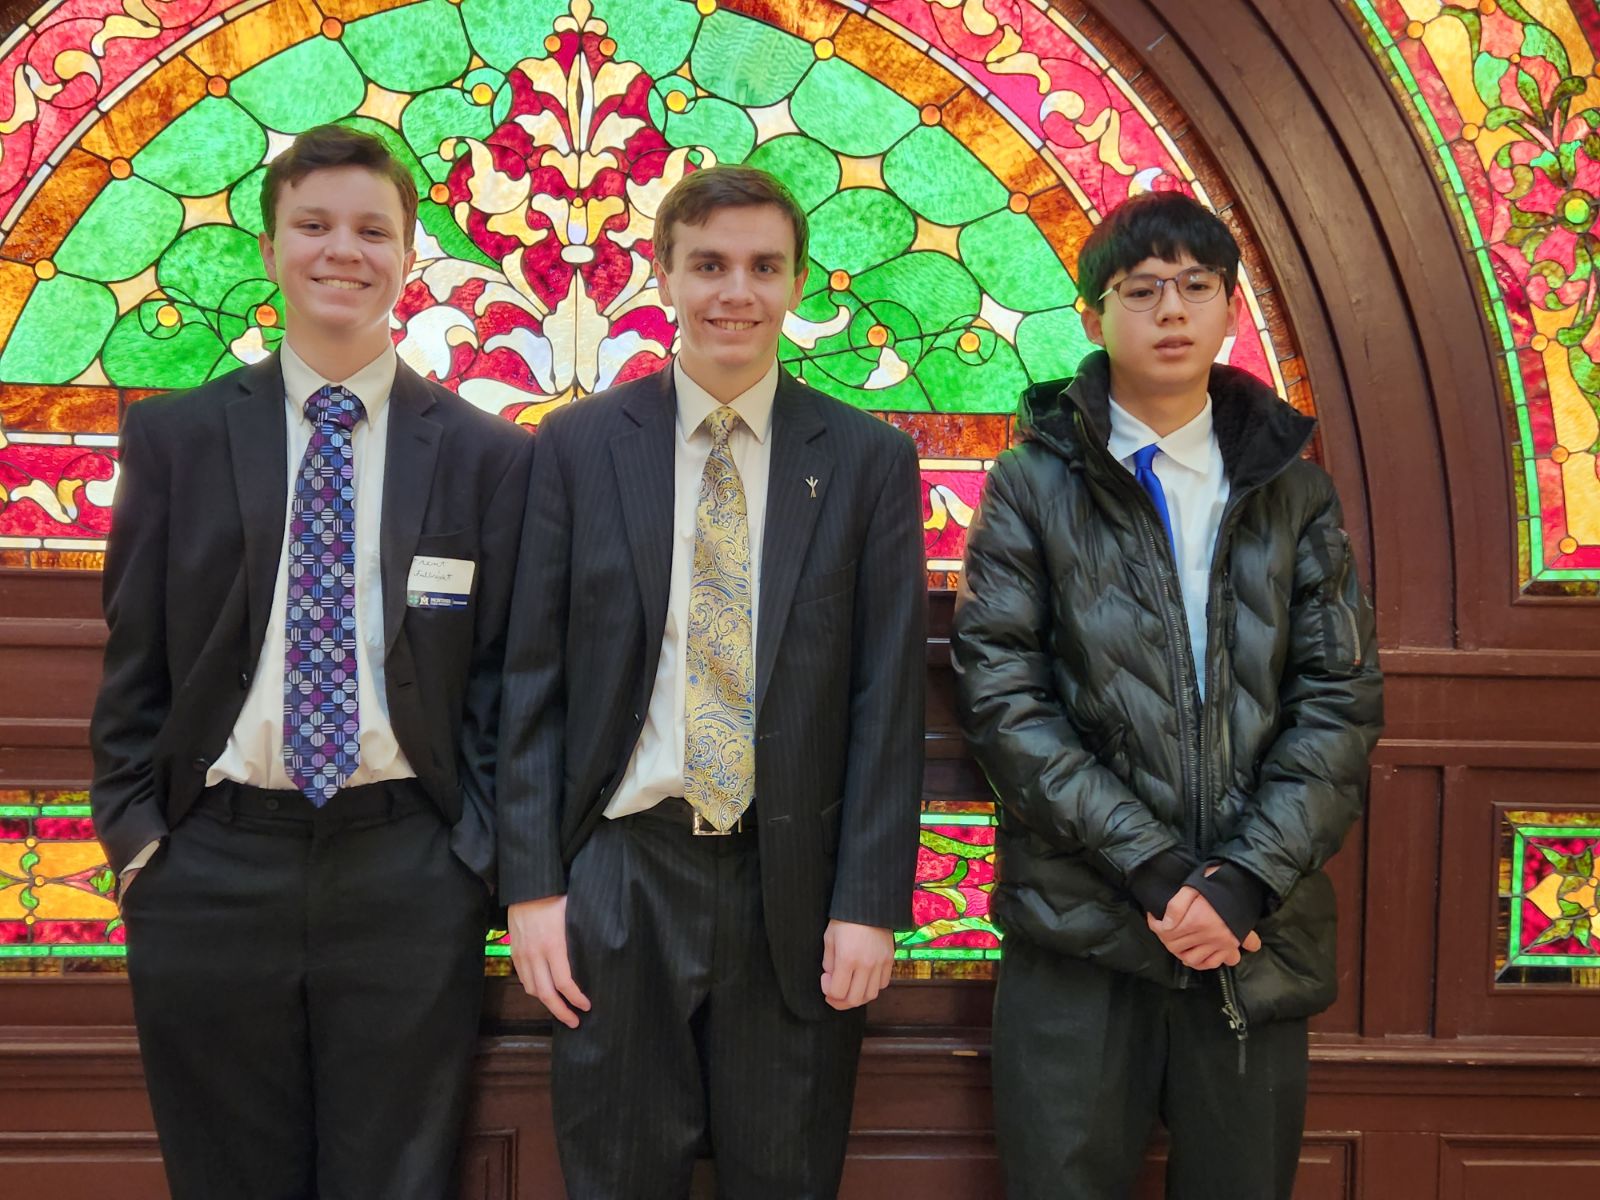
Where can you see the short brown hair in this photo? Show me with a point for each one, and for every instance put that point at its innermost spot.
(337, 146)
(698, 194)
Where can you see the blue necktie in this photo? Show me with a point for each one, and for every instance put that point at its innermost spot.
(1145, 472)
(321, 719)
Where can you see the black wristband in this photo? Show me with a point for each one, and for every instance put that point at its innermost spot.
(1238, 896)
(1156, 881)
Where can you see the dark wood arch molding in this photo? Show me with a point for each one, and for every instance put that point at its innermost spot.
(1491, 698)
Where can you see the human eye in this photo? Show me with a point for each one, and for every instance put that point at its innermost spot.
(1200, 283)
(1139, 287)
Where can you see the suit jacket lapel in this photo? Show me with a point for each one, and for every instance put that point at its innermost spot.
(797, 488)
(413, 446)
(642, 456)
(258, 446)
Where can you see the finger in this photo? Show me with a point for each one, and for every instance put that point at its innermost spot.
(886, 974)
(523, 965)
(551, 999)
(561, 977)
(827, 953)
(862, 986)
(843, 980)
(1252, 942)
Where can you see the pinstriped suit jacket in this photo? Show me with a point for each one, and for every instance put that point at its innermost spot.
(839, 663)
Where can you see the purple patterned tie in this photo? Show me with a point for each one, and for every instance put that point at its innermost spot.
(321, 720)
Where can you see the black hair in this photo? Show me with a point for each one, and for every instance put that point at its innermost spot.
(1154, 225)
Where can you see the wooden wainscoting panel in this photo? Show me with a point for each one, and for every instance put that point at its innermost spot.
(1475, 1167)
(1329, 1165)
(65, 1164)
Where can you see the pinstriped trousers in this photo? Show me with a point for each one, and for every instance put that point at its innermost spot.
(689, 1044)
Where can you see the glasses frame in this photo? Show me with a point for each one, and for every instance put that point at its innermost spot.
(1161, 282)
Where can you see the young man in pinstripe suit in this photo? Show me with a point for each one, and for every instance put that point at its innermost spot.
(712, 750)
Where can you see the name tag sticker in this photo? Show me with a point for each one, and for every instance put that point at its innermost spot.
(439, 582)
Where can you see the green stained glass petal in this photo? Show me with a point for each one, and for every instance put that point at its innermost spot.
(413, 47)
(244, 202)
(442, 227)
(1010, 259)
(203, 151)
(747, 61)
(443, 113)
(933, 285)
(122, 232)
(142, 353)
(208, 268)
(859, 227)
(1052, 343)
(59, 332)
(504, 32)
(306, 85)
(657, 34)
(720, 127)
(849, 110)
(809, 168)
(958, 385)
(939, 178)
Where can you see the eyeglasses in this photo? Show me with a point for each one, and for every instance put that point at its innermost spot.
(1141, 293)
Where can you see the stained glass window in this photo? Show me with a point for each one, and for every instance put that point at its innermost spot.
(1509, 98)
(952, 158)
(1549, 905)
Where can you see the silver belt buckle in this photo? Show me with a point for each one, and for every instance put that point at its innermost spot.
(701, 827)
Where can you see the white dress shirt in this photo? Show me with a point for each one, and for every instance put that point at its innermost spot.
(1190, 470)
(655, 770)
(254, 754)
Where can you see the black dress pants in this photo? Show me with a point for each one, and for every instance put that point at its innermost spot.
(689, 1041)
(307, 986)
(1086, 1059)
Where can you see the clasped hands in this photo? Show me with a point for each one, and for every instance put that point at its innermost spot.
(1196, 935)
(856, 960)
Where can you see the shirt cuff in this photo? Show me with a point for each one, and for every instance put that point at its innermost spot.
(139, 860)
(1238, 896)
(1156, 881)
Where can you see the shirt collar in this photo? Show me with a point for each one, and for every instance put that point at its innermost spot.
(371, 384)
(754, 404)
(1189, 446)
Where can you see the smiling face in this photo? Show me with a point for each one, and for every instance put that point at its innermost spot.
(339, 255)
(1162, 357)
(731, 280)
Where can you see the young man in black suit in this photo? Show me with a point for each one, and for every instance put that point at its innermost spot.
(307, 587)
(711, 758)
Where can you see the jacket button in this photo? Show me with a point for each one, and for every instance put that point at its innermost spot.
(272, 804)
(200, 764)
(244, 681)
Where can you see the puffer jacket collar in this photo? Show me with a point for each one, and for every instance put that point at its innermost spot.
(1259, 435)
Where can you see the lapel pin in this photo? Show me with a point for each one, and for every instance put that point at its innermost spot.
(812, 481)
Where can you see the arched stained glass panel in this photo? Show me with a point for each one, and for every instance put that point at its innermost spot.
(952, 158)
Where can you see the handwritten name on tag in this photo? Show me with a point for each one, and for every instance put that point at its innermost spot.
(439, 582)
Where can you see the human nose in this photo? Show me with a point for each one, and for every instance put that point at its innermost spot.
(736, 288)
(1170, 303)
(342, 244)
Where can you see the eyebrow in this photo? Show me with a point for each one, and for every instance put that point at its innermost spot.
(764, 256)
(374, 217)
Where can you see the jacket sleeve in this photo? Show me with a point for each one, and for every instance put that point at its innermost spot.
(878, 831)
(533, 718)
(135, 689)
(1042, 774)
(1313, 777)
(480, 716)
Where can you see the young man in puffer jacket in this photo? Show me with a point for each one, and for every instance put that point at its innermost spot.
(1167, 670)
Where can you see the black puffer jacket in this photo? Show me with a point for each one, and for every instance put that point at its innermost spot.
(1079, 698)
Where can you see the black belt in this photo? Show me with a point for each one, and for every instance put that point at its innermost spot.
(385, 800)
(678, 812)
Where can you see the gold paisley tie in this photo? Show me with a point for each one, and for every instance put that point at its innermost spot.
(720, 751)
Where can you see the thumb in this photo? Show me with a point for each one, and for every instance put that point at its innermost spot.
(1252, 942)
(827, 952)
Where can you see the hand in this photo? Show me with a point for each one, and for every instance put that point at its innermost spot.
(1194, 934)
(538, 930)
(856, 962)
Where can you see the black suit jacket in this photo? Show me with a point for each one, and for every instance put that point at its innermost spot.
(839, 656)
(190, 568)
